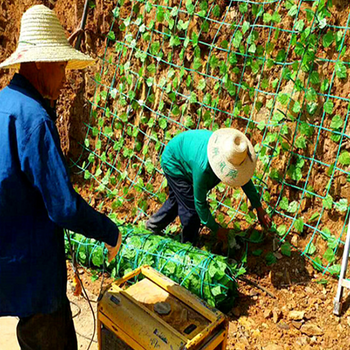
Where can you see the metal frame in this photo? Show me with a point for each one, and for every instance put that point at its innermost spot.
(214, 316)
(343, 282)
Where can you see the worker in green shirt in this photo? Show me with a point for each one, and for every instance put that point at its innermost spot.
(196, 161)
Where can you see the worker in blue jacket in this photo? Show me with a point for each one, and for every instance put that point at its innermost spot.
(196, 161)
(37, 199)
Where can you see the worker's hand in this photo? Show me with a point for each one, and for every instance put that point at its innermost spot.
(113, 251)
(264, 219)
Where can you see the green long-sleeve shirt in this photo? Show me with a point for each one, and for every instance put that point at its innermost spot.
(186, 157)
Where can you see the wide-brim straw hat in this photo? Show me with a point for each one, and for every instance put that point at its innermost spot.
(42, 39)
(231, 156)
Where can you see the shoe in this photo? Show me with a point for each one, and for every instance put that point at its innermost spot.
(154, 230)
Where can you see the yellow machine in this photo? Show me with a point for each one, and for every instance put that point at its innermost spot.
(157, 313)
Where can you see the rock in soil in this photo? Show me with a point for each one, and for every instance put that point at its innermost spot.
(296, 315)
(311, 329)
(283, 325)
(276, 315)
(297, 324)
(267, 313)
(278, 255)
(273, 347)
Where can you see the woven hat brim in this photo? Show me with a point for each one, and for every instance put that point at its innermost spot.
(229, 174)
(64, 53)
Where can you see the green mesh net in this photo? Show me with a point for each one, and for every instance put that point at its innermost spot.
(276, 70)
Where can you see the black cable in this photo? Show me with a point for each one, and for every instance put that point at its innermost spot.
(86, 297)
(79, 308)
(92, 311)
(85, 337)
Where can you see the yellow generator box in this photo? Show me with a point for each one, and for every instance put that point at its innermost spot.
(157, 313)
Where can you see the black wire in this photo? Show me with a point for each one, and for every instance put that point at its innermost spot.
(86, 297)
(84, 336)
(79, 308)
(92, 311)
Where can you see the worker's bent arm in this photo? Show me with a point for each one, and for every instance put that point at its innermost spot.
(253, 195)
(200, 201)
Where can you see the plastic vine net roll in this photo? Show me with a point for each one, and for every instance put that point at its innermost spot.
(207, 275)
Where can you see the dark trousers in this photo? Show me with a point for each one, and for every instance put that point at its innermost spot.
(180, 202)
(48, 332)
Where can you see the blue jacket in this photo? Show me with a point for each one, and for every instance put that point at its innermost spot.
(37, 201)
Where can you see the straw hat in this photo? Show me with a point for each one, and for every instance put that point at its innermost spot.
(231, 156)
(42, 39)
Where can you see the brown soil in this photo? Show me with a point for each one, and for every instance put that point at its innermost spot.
(259, 321)
(292, 280)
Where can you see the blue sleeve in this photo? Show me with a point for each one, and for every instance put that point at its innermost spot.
(253, 195)
(43, 163)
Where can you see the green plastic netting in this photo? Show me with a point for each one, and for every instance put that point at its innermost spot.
(209, 276)
(277, 70)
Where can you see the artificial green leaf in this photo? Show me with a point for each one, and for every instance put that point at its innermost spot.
(245, 27)
(197, 63)
(340, 70)
(334, 269)
(283, 98)
(311, 249)
(281, 230)
(292, 10)
(300, 142)
(149, 165)
(286, 249)
(256, 237)
(296, 107)
(328, 39)
(342, 205)
(216, 11)
(299, 25)
(237, 39)
(337, 122)
(111, 35)
(315, 78)
(317, 263)
(190, 7)
(276, 17)
(314, 216)
(344, 158)
(267, 17)
(284, 203)
(243, 7)
(257, 252)
(293, 207)
(328, 107)
(325, 85)
(299, 225)
(270, 258)
(162, 123)
(281, 56)
(151, 68)
(328, 202)
(329, 255)
(252, 48)
(311, 95)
